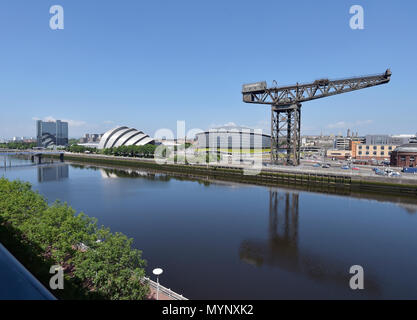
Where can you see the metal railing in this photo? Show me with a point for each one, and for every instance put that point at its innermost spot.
(166, 291)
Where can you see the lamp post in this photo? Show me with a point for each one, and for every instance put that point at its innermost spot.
(157, 272)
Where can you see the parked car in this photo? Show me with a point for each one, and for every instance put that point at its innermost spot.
(379, 172)
(394, 174)
(345, 167)
(325, 166)
(355, 168)
(317, 165)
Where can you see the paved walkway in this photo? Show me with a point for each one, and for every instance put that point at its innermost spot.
(162, 296)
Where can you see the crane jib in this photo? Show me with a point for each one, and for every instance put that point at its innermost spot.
(286, 102)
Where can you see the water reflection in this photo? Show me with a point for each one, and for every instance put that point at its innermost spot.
(410, 208)
(53, 173)
(9, 162)
(264, 242)
(287, 231)
(282, 249)
(130, 173)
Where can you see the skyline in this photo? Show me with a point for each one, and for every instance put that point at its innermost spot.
(147, 65)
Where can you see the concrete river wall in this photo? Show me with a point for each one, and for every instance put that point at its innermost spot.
(355, 181)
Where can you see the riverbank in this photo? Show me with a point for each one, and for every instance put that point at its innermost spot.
(353, 181)
(259, 234)
(96, 263)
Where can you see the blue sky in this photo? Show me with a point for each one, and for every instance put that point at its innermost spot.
(147, 64)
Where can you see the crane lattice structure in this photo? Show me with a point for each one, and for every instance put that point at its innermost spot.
(286, 102)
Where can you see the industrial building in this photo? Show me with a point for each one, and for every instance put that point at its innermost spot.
(342, 143)
(232, 138)
(345, 147)
(51, 133)
(124, 136)
(405, 156)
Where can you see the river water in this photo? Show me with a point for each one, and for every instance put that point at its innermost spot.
(220, 240)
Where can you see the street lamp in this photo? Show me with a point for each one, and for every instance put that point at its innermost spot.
(157, 272)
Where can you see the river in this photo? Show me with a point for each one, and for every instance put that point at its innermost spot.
(221, 240)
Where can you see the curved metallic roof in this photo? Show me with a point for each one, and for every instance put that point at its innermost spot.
(124, 140)
(135, 140)
(408, 147)
(232, 130)
(123, 136)
(115, 137)
(106, 137)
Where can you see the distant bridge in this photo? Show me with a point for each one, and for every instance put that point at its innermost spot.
(35, 155)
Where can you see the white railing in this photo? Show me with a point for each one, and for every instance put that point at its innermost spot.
(165, 291)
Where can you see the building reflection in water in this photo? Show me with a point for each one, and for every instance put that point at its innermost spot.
(130, 173)
(53, 173)
(282, 249)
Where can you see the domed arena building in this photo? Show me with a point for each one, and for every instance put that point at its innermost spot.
(405, 156)
(230, 138)
(124, 136)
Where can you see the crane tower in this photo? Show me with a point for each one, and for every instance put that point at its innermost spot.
(286, 102)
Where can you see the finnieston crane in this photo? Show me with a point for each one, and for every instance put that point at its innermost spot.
(286, 102)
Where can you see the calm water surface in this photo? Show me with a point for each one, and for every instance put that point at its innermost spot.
(232, 241)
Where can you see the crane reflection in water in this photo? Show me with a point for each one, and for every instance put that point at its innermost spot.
(282, 249)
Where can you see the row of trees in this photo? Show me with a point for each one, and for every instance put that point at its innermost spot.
(97, 263)
(146, 151)
(18, 145)
(81, 149)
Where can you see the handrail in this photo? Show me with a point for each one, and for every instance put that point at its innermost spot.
(166, 291)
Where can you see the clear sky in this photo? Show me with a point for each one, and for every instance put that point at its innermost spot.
(147, 64)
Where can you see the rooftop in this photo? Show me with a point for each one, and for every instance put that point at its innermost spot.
(408, 147)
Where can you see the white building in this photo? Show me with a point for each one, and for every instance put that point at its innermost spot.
(124, 136)
(235, 138)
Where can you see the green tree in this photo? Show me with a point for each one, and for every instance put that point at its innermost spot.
(97, 261)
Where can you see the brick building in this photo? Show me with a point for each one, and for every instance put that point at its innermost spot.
(405, 155)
